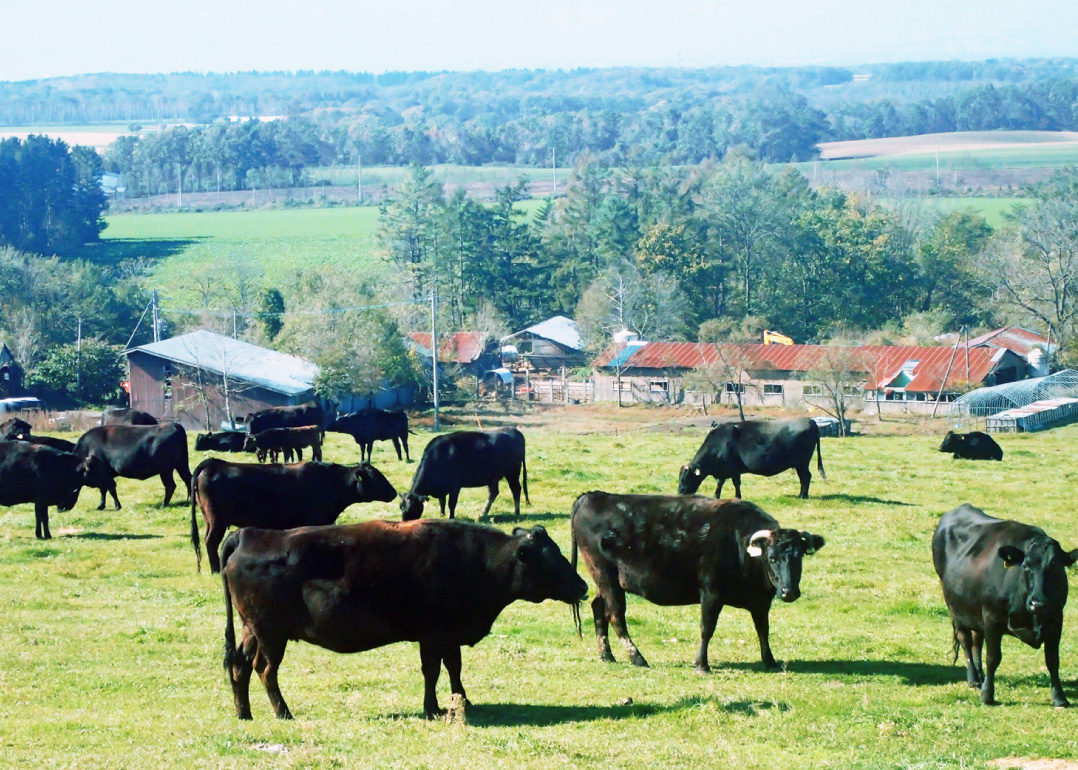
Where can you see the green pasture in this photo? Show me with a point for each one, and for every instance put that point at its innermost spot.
(961, 160)
(994, 210)
(111, 643)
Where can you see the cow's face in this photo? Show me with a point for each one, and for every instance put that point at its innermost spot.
(371, 485)
(202, 442)
(952, 442)
(411, 506)
(689, 479)
(1041, 571)
(97, 473)
(542, 571)
(249, 443)
(781, 552)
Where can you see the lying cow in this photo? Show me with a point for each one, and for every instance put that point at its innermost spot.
(686, 550)
(55, 443)
(273, 442)
(10, 429)
(370, 425)
(228, 441)
(139, 452)
(277, 496)
(975, 445)
(45, 476)
(300, 416)
(477, 458)
(1001, 577)
(761, 447)
(354, 588)
(122, 416)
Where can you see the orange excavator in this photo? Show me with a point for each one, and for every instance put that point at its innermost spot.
(774, 338)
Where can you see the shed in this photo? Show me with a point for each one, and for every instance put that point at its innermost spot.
(10, 373)
(547, 346)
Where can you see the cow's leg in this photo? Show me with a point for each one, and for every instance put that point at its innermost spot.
(978, 647)
(514, 487)
(397, 446)
(185, 476)
(710, 607)
(616, 613)
(763, 632)
(299, 454)
(993, 655)
(737, 485)
(215, 533)
(602, 628)
(316, 451)
(453, 496)
(441, 504)
(239, 674)
(41, 521)
(451, 659)
(267, 661)
(718, 487)
(170, 486)
(115, 499)
(965, 640)
(493, 494)
(431, 662)
(805, 475)
(404, 442)
(1051, 660)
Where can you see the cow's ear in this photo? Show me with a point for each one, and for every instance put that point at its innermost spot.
(1073, 557)
(813, 543)
(539, 529)
(1011, 556)
(520, 532)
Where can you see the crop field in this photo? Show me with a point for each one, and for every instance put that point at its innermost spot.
(994, 210)
(111, 643)
(375, 176)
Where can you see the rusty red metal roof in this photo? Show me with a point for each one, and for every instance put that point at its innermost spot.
(456, 348)
(882, 363)
(1013, 338)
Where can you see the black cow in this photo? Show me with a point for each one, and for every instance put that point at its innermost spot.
(762, 447)
(1001, 577)
(56, 443)
(10, 429)
(277, 496)
(228, 441)
(370, 425)
(686, 550)
(286, 417)
(354, 588)
(121, 416)
(139, 452)
(45, 476)
(274, 441)
(476, 458)
(975, 445)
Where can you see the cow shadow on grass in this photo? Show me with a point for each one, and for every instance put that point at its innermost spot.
(112, 536)
(843, 498)
(909, 673)
(513, 518)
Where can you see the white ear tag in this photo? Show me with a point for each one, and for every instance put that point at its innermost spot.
(754, 550)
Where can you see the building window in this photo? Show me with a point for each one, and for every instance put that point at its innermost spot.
(659, 386)
(813, 390)
(625, 386)
(735, 387)
(773, 390)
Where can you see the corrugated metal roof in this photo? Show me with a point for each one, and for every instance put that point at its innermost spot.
(559, 329)
(1014, 338)
(279, 372)
(457, 348)
(882, 362)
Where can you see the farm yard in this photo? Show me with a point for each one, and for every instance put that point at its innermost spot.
(111, 647)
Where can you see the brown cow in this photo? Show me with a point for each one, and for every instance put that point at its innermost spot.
(272, 442)
(277, 496)
(354, 588)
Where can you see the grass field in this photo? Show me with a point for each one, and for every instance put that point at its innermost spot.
(110, 654)
(1047, 156)
(994, 210)
(375, 176)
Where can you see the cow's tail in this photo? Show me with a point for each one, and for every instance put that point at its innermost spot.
(819, 456)
(524, 465)
(194, 518)
(231, 653)
(955, 646)
(572, 560)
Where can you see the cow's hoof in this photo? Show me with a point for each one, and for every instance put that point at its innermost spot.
(245, 715)
(100, 507)
(607, 658)
(704, 669)
(286, 714)
(436, 714)
(772, 665)
(1061, 704)
(638, 660)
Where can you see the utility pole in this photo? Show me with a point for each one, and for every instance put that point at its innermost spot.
(235, 324)
(179, 185)
(554, 165)
(154, 316)
(434, 355)
(78, 358)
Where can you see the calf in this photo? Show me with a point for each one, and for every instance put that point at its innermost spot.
(478, 458)
(277, 496)
(686, 550)
(45, 476)
(370, 425)
(974, 445)
(348, 589)
(272, 442)
(1001, 577)
(300, 416)
(139, 452)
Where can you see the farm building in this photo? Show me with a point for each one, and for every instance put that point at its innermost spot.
(898, 378)
(545, 347)
(460, 353)
(1033, 347)
(10, 373)
(204, 380)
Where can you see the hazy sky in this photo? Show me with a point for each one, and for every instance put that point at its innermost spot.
(66, 37)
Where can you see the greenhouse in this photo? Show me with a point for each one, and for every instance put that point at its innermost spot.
(985, 402)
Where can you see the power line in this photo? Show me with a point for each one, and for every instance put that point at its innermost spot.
(250, 314)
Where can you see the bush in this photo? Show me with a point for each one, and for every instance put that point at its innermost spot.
(91, 376)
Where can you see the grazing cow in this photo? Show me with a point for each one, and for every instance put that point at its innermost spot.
(370, 425)
(975, 445)
(274, 441)
(228, 441)
(476, 458)
(357, 587)
(56, 443)
(286, 417)
(277, 496)
(45, 476)
(1001, 577)
(139, 452)
(762, 447)
(10, 429)
(120, 416)
(686, 550)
